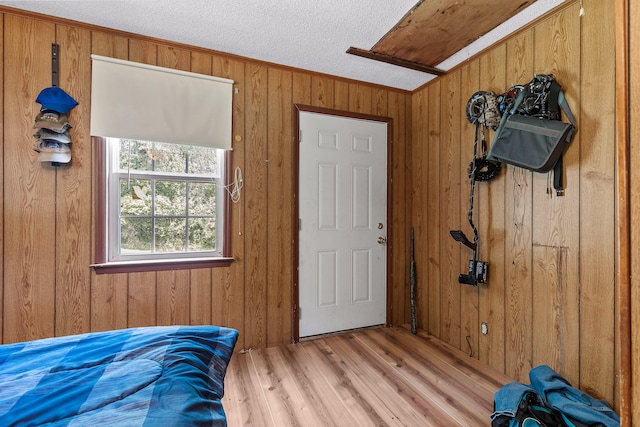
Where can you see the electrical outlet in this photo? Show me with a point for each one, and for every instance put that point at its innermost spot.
(485, 328)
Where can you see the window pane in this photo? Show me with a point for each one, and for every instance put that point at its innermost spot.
(171, 235)
(169, 157)
(202, 199)
(146, 156)
(135, 197)
(135, 235)
(203, 160)
(133, 155)
(202, 234)
(171, 198)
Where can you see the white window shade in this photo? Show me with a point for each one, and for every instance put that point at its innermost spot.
(138, 101)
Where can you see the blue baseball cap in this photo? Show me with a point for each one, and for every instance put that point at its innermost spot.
(56, 99)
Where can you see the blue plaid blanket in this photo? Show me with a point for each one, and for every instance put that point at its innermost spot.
(155, 376)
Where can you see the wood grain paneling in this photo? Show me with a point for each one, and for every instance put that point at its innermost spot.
(550, 298)
(73, 208)
(518, 234)
(341, 95)
(2, 144)
(491, 229)
(360, 98)
(597, 189)
(557, 50)
(109, 301)
(142, 299)
(173, 297)
(449, 214)
(279, 215)
(257, 192)
(29, 187)
(432, 280)
(469, 296)
(228, 285)
(633, 147)
(322, 91)
(396, 109)
(419, 196)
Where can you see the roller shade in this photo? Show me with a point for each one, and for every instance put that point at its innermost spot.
(138, 101)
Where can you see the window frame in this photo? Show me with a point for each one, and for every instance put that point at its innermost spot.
(101, 221)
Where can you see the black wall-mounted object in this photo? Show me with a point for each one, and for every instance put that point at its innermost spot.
(54, 64)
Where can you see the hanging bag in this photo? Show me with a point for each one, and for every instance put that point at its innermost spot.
(535, 142)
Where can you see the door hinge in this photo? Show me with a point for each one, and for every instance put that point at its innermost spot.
(299, 313)
(299, 224)
(300, 136)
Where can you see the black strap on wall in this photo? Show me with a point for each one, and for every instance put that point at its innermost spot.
(54, 64)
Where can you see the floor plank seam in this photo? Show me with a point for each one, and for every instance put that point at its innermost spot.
(262, 392)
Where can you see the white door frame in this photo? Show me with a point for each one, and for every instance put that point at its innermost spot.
(298, 108)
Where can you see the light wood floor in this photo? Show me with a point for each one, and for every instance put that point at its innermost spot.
(375, 377)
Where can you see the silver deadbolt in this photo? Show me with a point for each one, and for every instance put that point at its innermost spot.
(382, 240)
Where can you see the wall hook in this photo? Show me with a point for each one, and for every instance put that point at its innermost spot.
(54, 64)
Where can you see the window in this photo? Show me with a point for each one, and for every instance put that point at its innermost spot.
(159, 205)
(162, 202)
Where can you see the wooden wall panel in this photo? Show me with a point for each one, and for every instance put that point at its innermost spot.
(256, 193)
(518, 234)
(228, 285)
(200, 296)
(322, 91)
(634, 119)
(302, 89)
(360, 98)
(279, 216)
(597, 189)
(419, 196)
(396, 109)
(557, 51)
(341, 95)
(380, 102)
(469, 295)
(29, 187)
(431, 286)
(450, 153)
(142, 299)
(407, 202)
(173, 297)
(73, 192)
(548, 310)
(109, 301)
(491, 228)
(633, 179)
(2, 208)
(539, 303)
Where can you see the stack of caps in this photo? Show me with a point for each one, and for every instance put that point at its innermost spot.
(54, 142)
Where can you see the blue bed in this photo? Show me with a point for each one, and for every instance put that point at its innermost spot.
(155, 376)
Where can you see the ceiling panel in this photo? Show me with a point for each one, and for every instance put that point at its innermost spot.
(436, 29)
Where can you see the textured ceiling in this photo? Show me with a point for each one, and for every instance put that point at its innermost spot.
(308, 34)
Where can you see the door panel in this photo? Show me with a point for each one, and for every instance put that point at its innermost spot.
(342, 181)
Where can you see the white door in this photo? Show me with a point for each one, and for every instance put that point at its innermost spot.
(342, 236)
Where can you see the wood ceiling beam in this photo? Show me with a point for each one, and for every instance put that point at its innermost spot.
(395, 61)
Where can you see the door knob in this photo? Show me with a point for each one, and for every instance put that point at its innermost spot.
(382, 240)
